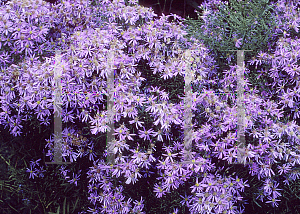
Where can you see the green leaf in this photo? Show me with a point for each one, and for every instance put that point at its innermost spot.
(64, 207)
(256, 203)
(49, 204)
(75, 204)
(68, 207)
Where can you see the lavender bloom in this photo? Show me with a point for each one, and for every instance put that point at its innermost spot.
(33, 173)
(74, 179)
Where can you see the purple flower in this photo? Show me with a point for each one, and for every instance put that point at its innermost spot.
(197, 187)
(139, 204)
(35, 163)
(169, 154)
(74, 179)
(159, 192)
(7, 40)
(186, 199)
(4, 58)
(137, 122)
(285, 168)
(68, 116)
(273, 201)
(93, 197)
(238, 43)
(91, 152)
(93, 210)
(145, 134)
(32, 172)
(261, 195)
(147, 173)
(175, 211)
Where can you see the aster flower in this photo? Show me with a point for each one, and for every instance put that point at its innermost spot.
(198, 187)
(159, 192)
(238, 43)
(296, 112)
(146, 133)
(139, 204)
(137, 122)
(292, 69)
(198, 205)
(68, 117)
(15, 125)
(35, 163)
(186, 200)
(40, 36)
(260, 195)
(93, 197)
(15, 49)
(253, 169)
(87, 52)
(147, 173)
(285, 168)
(175, 211)
(273, 201)
(4, 58)
(91, 152)
(75, 178)
(8, 40)
(64, 171)
(169, 155)
(120, 146)
(121, 131)
(275, 191)
(33, 173)
(28, 47)
(93, 210)
(295, 174)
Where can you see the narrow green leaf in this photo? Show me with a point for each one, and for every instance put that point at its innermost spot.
(68, 207)
(75, 205)
(64, 207)
(257, 203)
(49, 204)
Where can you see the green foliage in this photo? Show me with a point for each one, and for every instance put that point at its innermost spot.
(235, 20)
(19, 194)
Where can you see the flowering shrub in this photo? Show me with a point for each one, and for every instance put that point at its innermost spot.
(149, 139)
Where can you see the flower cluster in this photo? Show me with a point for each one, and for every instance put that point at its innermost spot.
(131, 36)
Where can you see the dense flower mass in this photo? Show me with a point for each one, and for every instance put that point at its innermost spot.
(129, 33)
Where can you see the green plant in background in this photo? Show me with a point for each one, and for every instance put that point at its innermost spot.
(235, 25)
(240, 25)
